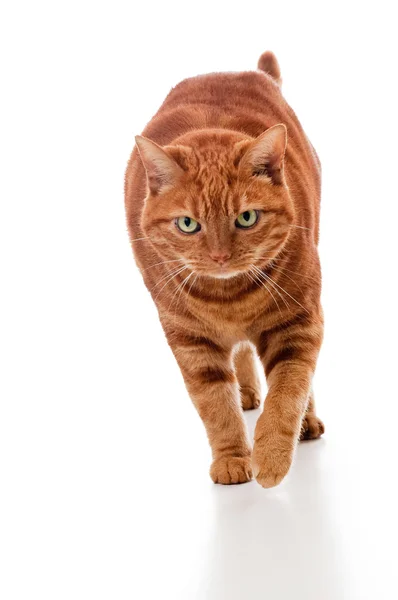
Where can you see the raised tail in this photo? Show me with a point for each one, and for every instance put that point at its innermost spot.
(268, 63)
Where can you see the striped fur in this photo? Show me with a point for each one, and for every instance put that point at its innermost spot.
(216, 148)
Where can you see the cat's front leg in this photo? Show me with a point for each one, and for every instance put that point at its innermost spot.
(288, 353)
(208, 372)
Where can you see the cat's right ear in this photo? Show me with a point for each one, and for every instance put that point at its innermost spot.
(161, 169)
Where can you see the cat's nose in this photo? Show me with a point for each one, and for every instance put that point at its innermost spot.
(220, 256)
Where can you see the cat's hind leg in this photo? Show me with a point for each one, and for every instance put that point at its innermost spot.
(311, 426)
(246, 372)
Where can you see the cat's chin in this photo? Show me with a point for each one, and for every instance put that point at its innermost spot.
(224, 275)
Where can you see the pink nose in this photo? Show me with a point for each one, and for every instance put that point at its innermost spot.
(220, 256)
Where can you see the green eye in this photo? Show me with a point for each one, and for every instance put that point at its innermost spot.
(187, 225)
(247, 219)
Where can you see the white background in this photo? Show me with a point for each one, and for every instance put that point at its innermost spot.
(104, 486)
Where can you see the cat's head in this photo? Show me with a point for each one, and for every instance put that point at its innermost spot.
(217, 199)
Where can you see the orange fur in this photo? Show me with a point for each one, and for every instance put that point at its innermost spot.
(219, 146)
(268, 63)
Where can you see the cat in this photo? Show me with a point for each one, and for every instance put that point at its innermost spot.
(222, 195)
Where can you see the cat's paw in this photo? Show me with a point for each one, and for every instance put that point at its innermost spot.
(311, 428)
(250, 398)
(231, 469)
(271, 460)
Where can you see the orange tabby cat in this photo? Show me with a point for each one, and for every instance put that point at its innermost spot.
(222, 201)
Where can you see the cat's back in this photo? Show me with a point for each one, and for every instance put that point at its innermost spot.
(247, 101)
(235, 89)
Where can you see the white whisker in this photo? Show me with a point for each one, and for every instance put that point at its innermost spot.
(288, 276)
(264, 279)
(249, 274)
(175, 271)
(283, 290)
(265, 286)
(193, 283)
(300, 227)
(178, 291)
(169, 278)
(278, 268)
(163, 263)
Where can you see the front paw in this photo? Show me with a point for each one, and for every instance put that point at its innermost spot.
(272, 458)
(231, 469)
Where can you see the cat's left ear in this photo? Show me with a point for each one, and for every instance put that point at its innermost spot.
(265, 155)
(161, 168)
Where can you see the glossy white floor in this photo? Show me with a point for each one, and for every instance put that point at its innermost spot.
(104, 486)
(104, 469)
(327, 532)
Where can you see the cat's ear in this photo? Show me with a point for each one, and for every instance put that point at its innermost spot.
(161, 169)
(265, 155)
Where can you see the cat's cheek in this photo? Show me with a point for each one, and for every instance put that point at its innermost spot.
(156, 235)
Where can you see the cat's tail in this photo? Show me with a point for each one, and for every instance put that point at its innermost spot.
(268, 63)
